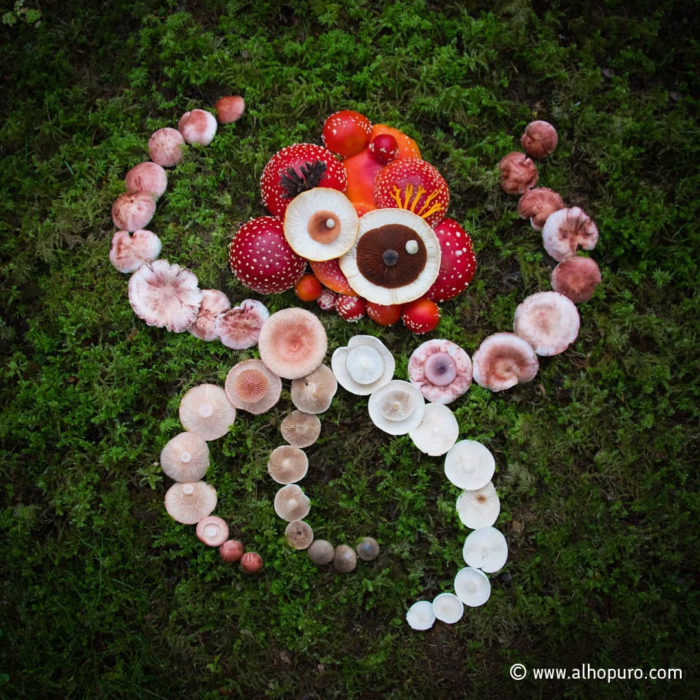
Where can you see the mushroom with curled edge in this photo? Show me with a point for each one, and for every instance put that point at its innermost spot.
(205, 410)
(212, 530)
(549, 321)
(504, 360)
(130, 251)
(314, 392)
(421, 616)
(469, 464)
(185, 457)
(197, 126)
(441, 370)
(148, 177)
(132, 211)
(214, 303)
(344, 559)
(291, 503)
(364, 365)
(251, 387)
(567, 230)
(577, 278)
(437, 431)
(486, 549)
(539, 139)
(321, 552)
(479, 507)
(298, 534)
(287, 464)
(537, 205)
(518, 173)
(472, 586)
(396, 408)
(448, 608)
(188, 503)
(300, 429)
(166, 147)
(239, 328)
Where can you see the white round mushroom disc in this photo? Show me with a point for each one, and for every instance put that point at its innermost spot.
(397, 407)
(549, 321)
(363, 368)
(472, 586)
(364, 364)
(479, 508)
(420, 616)
(437, 432)
(469, 464)
(448, 608)
(486, 549)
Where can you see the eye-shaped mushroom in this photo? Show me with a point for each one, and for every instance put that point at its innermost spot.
(364, 365)
(397, 407)
(441, 370)
(251, 387)
(395, 259)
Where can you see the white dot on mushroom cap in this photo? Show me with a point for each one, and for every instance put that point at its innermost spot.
(412, 247)
(211, 530)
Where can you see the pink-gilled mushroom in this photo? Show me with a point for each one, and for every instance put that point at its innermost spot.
(132, 211)
(291, 503)
(469, 465)
(214, 302)
(441, 370)
(130, 251)
(576, 278)
(504, 360)
(314, 392)
(479, 507)
(549, 321)
(539, 139)
(197, 126)
(486, 549)
(437, 431)
(292, 343)
(166, 147)
(188, 503)
(287, 464)
(397, 407)
(518, 173)
(448, 608)
(421, 616)
(298, 535)
(567, 230)
(185, 457)
(538, 204)
(364, 365)
(472, 586)
(239, 328)
(229, 109)
(205, 410)
(212, 530)
(251, 387)
(165, 296)
(148, 177)
(231, 551)
(300, 429)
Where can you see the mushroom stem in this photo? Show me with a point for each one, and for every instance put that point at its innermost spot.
(206, 410)
(186, 458)
(188, 489)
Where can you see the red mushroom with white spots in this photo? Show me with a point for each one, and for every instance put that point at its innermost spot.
(457, 261)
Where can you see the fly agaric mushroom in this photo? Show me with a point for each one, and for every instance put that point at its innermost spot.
(165, 295)
(292, 343)
(538, 204)
(212, 530)
(396, 408)
(205, 410)
(251, 387)
(166, 147)
(314, 392)
(383, 315)
(421, 316)
(469, 465)
(346, 133)
(214, 302)
(300, 429)
(188, 503)
(326, 300)
(448, 608)
(539, 139)
(148, 177)
(130, 251)
(287, 464)
(566, 230)
(133, 210)
(420, 616)
(437, 431)
(344, 559)
(239, 328)
(549, 321)
(367, 549)
(457, 261)
(291, 503)
(472, 586)
(518, 173)
(351, 309)
(321, 552)
(197, 126)
(395, 259)
(441, 370)
(479, 507)
(486, 549)
(504, 360)
(576, 278)
(364, 365)
(251, 563)
(229, 109)
(185, 457)
(231, 550)
(298, 535)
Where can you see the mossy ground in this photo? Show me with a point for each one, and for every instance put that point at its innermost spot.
(103, 595)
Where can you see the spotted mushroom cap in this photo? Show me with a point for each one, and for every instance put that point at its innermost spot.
(166, 147)
(198, 126)
(214, 302)
(567, 230)
(130, 251)
(479, 507)
(291, 503)
(251, 387)
(300, 429)
(457, 261)
(549, 321)
(132, 211)
(205, 410)
(576, 278)
(365, 365)
(397, 407)
(148, 177)
(185, 457)
(314, 392)
(441, 370)
(188, 503)
(239, 328)
(504, 360)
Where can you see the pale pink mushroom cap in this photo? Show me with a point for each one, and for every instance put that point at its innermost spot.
(212, 530)
(214, 302)
(292, 343)
(549, 321)
(133, 210)
(165, 295)
(185, 457)
(239, 328)
(166, 147)
(130, 251)
(441, 370)
(190, 502)
(504, 360)
(148, 177)
(205, 410)
(539, 139)
(576, 278)
(251, 387)
(518, 173)
(198, 126)
(291, 503)
(567, 230)
(537, 204)
(230, 109)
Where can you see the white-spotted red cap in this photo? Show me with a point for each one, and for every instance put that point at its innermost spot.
(480, 507)
(291, 503)
(251, 387)
(198, 126)
(205, 410)
(214, 302)
(314, 392)
(133, 210)
(300, 429)
(239, 328)
(518, 173)
(457, 261)
(539, 139)
(185, 457)
(567, 230)
(420, 616)
(549, 321)
(486, 549)
(148, 177)
(164, 295)
(437, 431)
(469, 464)
(504, 360)
(441, 370)
(448, 608)
(212, 530)
(472, 586)
(287, 464)
(576, 278)
(188, 503)
(364, 365)
(130, 251)
(537, 204)
(166, 147)
(397, 407)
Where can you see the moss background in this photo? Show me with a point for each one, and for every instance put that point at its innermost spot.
(103, 595)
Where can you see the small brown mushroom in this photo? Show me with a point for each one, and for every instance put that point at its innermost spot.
(368, 549)
(344, 559)
(300, 429)
(287, 464)
(314, 392)
(321, 552)
(298, 534)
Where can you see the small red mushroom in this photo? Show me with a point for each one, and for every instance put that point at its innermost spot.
(327, 299)
(147, 177)
(566, 230)
(518, 173)
(133, 210)
(457, 261)
(251, 562)
(229, 109)
(350, 308)
(421, 316)
(231, 550)
(130, 251)
(308, 288)
(197, 126)
(239, 327)
(384, 148)
(576, 278)
(382, 314)
(537, 204)
(346, 133)
(539, 139)
(166, 147)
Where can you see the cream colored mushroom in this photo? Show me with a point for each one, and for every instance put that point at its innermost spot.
(472, 586)
(480, 507)
(300, 429)
(314, 392)
(251, 387)
(205, 410)
(190, 502)
(364, 365)
(287, 464)
(291, 503)
(469, 464)
(298, 534)
(437, 431)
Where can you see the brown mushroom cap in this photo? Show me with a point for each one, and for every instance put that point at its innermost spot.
(321, 552)
(576, 278)
(185, 457)
(504, 360)
(291, 503)
(549, 321)
(368, 549)
(188, 503)
(251, 387)
(212, 530)
(292, 343)
(300, 429)
(345, 559)
(205, 410)
(539, 139)
(298, 534)
(214, 302)
(566, 230)
(537, 204)
(287, 464)
(314, 392)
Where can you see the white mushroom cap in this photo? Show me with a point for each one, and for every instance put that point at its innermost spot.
(147, 177)
(549, 321)
(239, 328)
(287, 464)
(298, 534)
(469, 465)
(486, 549)
(197, 126)
(566, 230)
(165, 295)
(441, 370)
(214, 302)
(420, 616)
(188, 503)
(300, 429)
(205, 410)
(504, 360)
(397, 407)
(364, 365)
(133, 210)
(480, 507)
(185, 457)
(314, 392)
(129, 252)
(437, 431)
(448, 608)
(472, 586)
(291, 503)
(212, 530)
(251, 387)
(320, 224)
(166, 147)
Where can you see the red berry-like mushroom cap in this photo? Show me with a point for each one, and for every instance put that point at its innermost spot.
(537, 204)
(421, 316)
(576, 278)
(350, 308)
(539, 139)
(457, 262)
(229, 109)
(346, 133)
